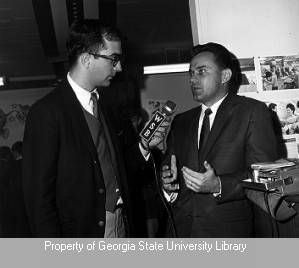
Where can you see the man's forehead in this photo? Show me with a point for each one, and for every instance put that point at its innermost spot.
(205, 58)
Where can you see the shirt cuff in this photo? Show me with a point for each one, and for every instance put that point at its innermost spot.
(170, 197)
(146, 154)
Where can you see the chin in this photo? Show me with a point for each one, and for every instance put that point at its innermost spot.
(105, 83)
(197, 97)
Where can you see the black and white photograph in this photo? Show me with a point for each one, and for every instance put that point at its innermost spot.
(279, 72)
(288, 114)
(148, 127)
(248, 75)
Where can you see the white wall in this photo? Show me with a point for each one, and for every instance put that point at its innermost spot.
(249, 27)
(174, 87)
(246, 27)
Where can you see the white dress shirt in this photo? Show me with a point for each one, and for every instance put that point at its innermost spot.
(83, 95)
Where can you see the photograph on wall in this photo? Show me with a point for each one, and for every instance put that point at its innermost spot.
(285, 114)
(248, 83)
(279, 72)
(292, 145)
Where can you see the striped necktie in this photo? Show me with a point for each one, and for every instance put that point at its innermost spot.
(94, 101)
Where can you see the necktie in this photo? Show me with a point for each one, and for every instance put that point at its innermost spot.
(205, 131)
(94, 101)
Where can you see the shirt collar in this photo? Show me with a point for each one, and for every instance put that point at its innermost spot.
(215, 106)
(82, 94)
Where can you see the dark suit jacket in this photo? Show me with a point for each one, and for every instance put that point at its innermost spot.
(242, 134)
(15, 220)
(63, 185)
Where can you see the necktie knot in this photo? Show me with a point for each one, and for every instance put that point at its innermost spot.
(208, 111)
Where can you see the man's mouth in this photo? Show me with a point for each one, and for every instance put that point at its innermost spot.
(196, 88)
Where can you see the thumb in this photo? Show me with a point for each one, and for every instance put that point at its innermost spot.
(173, 163)
(207, 165)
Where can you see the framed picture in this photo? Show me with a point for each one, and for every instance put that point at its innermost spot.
(279, 72)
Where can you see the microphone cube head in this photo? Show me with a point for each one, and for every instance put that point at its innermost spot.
(151, 127)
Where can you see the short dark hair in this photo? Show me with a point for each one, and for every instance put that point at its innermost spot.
(291, 106)
(271, 106)
(225, 59)
(268, 74)
(88, 36)
(17, 147)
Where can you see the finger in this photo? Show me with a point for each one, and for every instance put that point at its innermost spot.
(166, 173)
(191, 173)
(166, 122)
(158, 135)
(168, 180)
(173, 165)
(190, 179)
(165, 167)
(171, 187)
(168, 119)
(161, 129)
(191, 186)
(207, 165)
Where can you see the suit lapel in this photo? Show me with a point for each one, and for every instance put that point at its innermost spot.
(74, 107)
(191, 153)
(223, 114)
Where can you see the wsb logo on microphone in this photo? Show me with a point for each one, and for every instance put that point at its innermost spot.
(151, 127)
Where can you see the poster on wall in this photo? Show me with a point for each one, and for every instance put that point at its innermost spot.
(14, 107)
(248, 71)
(279, 72)
(287, 113)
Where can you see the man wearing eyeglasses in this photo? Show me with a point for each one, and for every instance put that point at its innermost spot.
(74, 171)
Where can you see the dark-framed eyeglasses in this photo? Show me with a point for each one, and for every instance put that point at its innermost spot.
(115, 59)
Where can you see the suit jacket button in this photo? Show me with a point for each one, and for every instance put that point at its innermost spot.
(101, 191)
(95, 162)
(101, 223)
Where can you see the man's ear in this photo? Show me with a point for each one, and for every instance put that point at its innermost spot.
(85, 60)
(226, 75)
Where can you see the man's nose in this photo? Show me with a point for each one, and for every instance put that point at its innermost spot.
(118, 67)
(193, 79)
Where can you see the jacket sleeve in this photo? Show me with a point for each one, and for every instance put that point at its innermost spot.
(40, 151)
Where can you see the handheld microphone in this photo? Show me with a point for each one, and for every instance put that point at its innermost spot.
(157, 119)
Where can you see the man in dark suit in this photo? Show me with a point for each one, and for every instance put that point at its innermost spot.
(74, 163)
(212, 148)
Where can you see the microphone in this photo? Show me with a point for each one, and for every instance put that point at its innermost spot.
(157, 119)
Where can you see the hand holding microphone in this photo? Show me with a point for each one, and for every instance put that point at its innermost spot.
(155, 130)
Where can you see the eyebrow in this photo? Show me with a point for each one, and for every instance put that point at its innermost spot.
(199, 67)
